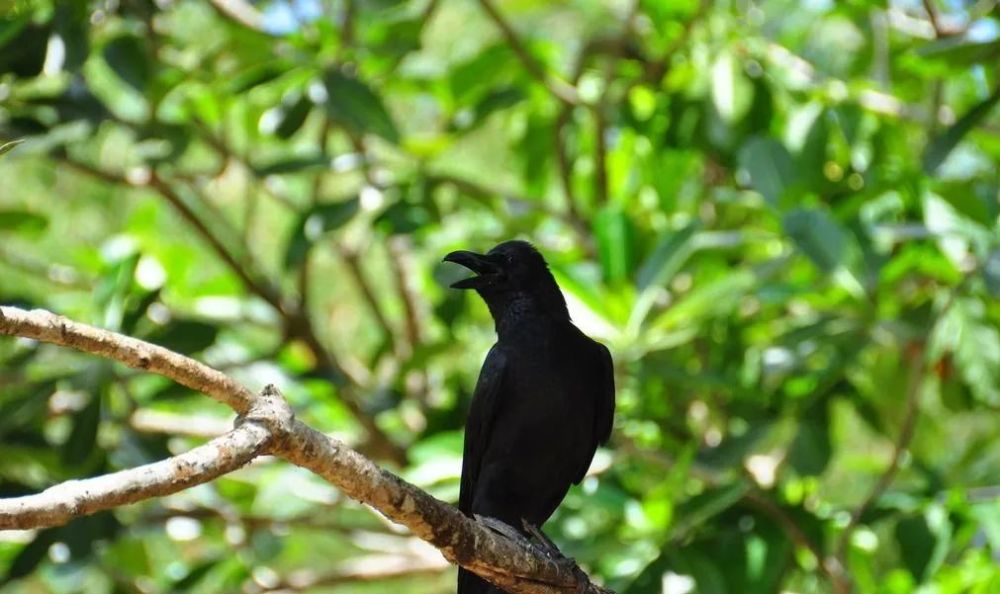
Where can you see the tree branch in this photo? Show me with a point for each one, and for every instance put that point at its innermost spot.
(137, 354)
(65, 501)
(559, 89)
(296, 320)
(270, 427)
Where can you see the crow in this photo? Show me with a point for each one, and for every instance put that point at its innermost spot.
(544, 401)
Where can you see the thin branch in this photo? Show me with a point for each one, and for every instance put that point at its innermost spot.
(65, 501)
(559, 89)
(830, 566)
(137, 354)
(353, 263)
(296, 321)
(909, 422)
(399, 256)
(58, 274)
(270, 427)
(240, 12)
(934, 17)
(243, 267)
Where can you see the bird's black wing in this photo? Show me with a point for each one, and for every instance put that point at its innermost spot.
(605, 416)
(479, 426)
(602, 395)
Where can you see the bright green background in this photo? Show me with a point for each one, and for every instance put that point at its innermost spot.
(781, 217)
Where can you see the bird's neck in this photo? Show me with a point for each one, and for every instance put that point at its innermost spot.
(524, 314)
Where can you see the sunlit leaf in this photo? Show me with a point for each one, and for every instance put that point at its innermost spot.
(732, 92)
(357, 107)
(22, 221)
(941, 146)
(9, 146)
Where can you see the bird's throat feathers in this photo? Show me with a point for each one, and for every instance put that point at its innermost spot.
(511, 313)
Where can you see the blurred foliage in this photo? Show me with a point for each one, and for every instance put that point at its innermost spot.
(781, 216)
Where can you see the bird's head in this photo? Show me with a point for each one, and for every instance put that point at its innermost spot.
(512, 271)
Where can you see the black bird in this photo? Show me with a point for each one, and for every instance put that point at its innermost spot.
(544, 400)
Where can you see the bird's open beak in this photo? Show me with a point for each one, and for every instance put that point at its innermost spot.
(478, 263)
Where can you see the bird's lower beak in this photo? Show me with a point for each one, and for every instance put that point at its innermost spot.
(477, 263)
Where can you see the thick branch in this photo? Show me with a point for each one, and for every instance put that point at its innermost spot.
(65, 501)
(271, 428)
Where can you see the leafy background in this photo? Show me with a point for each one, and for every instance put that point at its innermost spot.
(782, 217)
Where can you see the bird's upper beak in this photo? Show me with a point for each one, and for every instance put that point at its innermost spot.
(478, 263)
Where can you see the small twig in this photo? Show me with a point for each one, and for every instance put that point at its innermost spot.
(399, 258)
(559, 89)
(934, 17)
(909, 422)
(347, 24)
(830, 566)
(137, 354)
(357, 273)
(65, 501)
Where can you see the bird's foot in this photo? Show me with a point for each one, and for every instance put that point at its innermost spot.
(504, 529)
(538, 541)
(541, 541)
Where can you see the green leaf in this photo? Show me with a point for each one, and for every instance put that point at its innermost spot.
(615, 243)
(22, 221)
(939, 148)
(923, 541)
(467, 79)
(957, 51)
(314, 224)
(83, 437)
(965, 331)
(810, 451)
(357, 107)
(707, 300)
(126, 55)
(818, 236)
(732, 91)
(769, 166)
(292, 116)
(704, 506)
(666, 260)
(293, 165)
(9, 146)
(257, 75)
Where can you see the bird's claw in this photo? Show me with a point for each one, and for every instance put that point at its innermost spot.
(534, 540)
(503, 529)
(543, 542)
(538, 541)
